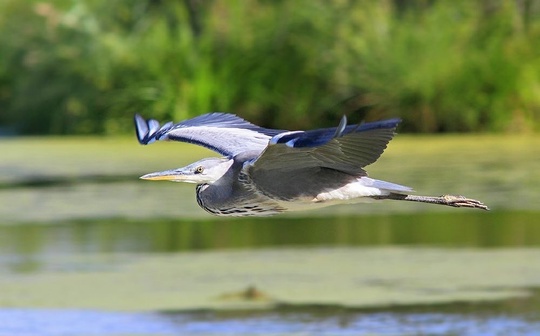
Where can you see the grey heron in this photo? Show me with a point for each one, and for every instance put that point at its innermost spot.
(267, 171)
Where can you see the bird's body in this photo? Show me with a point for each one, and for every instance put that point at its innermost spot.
(266, 172)
(232, 195)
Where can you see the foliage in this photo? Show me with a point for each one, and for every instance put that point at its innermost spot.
(86, 66)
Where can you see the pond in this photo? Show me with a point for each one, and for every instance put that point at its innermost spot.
(465, 273)
(87, 249)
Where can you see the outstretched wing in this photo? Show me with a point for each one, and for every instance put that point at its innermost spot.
(325, 156)
(224, 133)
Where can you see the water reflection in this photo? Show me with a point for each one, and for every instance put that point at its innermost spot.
(473, 229)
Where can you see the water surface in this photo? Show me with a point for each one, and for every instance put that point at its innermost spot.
(88, 249)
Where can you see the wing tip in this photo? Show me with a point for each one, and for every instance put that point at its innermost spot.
(141, 128)
(387, 123)
(341, 127)
(148, 129)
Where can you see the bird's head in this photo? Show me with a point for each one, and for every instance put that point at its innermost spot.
(207, 170)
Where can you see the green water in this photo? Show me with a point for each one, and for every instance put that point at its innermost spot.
(87, 248)
(496, 229)
(463, 273)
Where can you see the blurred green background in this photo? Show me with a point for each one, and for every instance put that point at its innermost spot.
(84, 67)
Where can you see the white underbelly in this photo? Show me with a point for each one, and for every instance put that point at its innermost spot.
(355, 192)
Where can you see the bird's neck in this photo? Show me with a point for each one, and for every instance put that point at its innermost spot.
(201, 187)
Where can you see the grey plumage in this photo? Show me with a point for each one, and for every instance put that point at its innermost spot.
(266, 171)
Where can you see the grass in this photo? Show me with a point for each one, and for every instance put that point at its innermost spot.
(84, 67)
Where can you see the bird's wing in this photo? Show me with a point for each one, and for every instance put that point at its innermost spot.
(224, 133)
(303, 164)
(297, 155)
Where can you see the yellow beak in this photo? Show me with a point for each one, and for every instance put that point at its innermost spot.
(168, 175)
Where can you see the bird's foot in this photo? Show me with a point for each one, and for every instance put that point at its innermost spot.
(463, 202)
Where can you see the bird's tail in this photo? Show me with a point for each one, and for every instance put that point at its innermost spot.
(386, 186)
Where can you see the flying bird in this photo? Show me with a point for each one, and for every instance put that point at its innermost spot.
(266, 171)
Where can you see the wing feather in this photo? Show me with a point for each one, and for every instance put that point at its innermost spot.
(303, 164)
(224, 133)
(348, 151)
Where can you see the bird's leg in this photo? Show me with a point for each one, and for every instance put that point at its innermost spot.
(449, 200)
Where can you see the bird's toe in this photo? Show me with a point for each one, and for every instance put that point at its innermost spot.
(464, 202)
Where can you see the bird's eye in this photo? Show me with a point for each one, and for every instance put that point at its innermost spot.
(199, 169)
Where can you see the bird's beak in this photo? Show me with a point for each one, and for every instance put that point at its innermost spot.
(167, 175)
